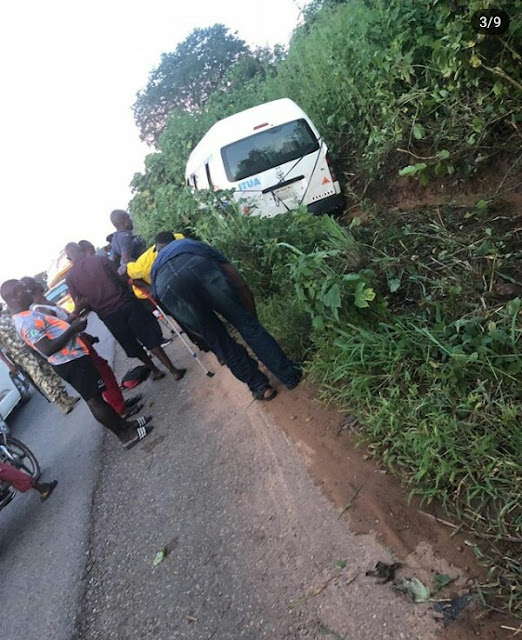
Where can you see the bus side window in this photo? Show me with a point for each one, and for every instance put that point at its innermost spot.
(208, 176)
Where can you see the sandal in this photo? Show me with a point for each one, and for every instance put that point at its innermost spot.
(180, 374)
(132, 411)
(50, 487)
(261, 393)
(141, 432)
(158, 376)
(140, 422)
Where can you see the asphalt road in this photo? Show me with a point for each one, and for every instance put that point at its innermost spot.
(43, 546)
(255, 550)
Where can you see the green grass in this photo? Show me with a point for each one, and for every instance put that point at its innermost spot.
(436, 384)
(400, 322)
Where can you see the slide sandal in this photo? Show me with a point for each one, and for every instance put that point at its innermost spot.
(141, 432)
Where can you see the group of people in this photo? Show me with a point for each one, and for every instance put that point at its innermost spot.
(191, 280)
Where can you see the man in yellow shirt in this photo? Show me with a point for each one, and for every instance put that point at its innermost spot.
(140, 269)
(139, 272)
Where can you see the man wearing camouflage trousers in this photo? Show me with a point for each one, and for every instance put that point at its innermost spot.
(37, 369)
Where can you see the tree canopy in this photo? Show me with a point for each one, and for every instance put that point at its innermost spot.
(186, 77)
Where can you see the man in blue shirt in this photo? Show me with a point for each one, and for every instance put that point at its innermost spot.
(125, 246)
(194, 281)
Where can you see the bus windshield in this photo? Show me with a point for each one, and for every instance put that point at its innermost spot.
(268, 149)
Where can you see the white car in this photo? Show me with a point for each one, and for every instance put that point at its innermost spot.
(10, 393)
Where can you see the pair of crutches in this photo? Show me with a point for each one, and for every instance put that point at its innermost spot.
(173, 328)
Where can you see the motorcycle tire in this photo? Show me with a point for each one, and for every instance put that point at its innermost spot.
(25, 460)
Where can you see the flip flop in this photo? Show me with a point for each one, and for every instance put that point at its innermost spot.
(132, 411)
(140, 422)
(294, 384)
(141, 432)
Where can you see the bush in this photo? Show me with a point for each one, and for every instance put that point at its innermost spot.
(289, 323)
(377, 76)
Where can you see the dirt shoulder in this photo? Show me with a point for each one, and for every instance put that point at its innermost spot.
(247, 498)
(378, 504)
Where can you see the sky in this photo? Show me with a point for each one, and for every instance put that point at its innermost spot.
(69, 74)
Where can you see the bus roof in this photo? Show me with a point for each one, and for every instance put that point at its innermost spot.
(241, 125)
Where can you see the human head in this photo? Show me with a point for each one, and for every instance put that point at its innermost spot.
(16, 296)
(109, 238)
(87, 247)
(33, 285)
(121, 220)
(35, 288)
(163, 239)
(74, 252)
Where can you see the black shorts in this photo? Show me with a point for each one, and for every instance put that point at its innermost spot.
(134, 328)
(147, 304)
(83, 376)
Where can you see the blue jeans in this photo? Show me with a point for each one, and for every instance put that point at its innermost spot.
(193, 288)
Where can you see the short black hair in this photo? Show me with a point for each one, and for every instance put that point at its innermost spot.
(73, 249)
(7, 289)
(32, 284)
(164, 237)
(116, 215)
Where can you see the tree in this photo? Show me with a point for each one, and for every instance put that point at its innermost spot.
(185, 78)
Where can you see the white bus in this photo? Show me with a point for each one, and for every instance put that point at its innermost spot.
(272, 156)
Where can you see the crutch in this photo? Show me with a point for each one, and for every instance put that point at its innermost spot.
(173, 328)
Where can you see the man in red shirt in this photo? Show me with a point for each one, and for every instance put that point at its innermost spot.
(94, 283)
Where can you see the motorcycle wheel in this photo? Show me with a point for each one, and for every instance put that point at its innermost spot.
(23, 458)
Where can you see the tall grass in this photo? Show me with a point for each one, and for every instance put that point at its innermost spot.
(387, 75)
(436, 383)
